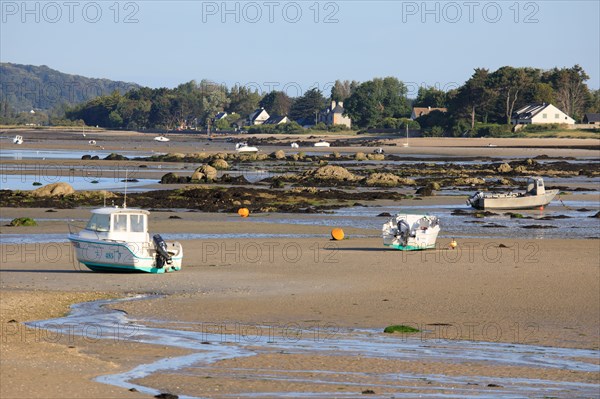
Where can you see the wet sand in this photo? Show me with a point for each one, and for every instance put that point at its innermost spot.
(539, 292)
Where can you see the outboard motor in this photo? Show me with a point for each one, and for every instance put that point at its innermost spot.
(403, 231)
(162, 254)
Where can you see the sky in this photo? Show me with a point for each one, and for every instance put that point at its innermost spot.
(298, 45)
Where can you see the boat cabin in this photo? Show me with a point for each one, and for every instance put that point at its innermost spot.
(535, 186)
(118, 224)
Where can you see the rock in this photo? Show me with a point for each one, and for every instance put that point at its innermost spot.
(220, 164)
(170, 178)
(376, 157)
(280, 154)
(197, 176)
(220, 155)
(504, 182)
(435, 185)
(597, 215)
(208, 171)
(426, 191)
(388, 179)
(385, 214)
(530, 161)
(166, 396)
(23, 222)
(330, 173)
(52, 190)
(360, 156)
(227, 178)
(116, 157)
(520, 169)
(336, 155)
(504, 168)
(174, 217)
(86, 157)
(468, 181)
(201, 156)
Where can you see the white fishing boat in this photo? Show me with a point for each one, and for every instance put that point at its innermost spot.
(117, 240)
(92, 142)
(294, 145)
(244, 147)
(536, 196)
(18, 140)
(322, 143)
(408, 232)
(162, 139)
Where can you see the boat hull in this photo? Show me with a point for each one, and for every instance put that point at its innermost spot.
(105, 256)
(523, 202)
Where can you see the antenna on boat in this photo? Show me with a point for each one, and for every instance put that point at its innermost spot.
(104, 204)
(125, 198)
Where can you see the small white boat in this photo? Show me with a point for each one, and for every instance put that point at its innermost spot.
(322, 143)
(294, 145)
(92, 142)
(244, 147)
(378, 151)
(18, 140)
(408, 232)
(162, 139)
(117, 240)
(536, 196)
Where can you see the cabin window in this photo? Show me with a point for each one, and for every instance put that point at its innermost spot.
(137, 223)
(544, 116)
(556, 116)
(99, 222)
(120, 223)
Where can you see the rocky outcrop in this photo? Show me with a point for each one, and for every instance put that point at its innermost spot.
(388, 180)
(330, 173)
(53, 190)
(280, 154)
(205, 172)
(220, 164)
(504, 168)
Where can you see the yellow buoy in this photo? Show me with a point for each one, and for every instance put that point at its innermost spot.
(244, 212)
(337, 234)
(453, 244)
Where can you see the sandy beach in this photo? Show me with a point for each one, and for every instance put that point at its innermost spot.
(533, 292)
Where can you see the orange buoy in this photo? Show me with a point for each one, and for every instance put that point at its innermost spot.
(244, 212)
(453, 244)
(337, 234)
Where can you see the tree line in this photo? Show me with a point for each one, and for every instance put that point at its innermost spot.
(487, 98)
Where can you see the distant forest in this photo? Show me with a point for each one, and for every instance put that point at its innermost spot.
(483, 105)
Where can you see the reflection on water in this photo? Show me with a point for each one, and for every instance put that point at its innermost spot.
(25, 182)
(575, 225)
(20, 154)
(210, 343)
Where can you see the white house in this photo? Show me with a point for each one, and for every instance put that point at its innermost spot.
(539, 114)
(258, 117)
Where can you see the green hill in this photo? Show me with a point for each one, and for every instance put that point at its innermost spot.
(26, 87)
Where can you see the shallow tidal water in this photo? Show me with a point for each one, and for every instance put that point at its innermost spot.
(96, 321)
